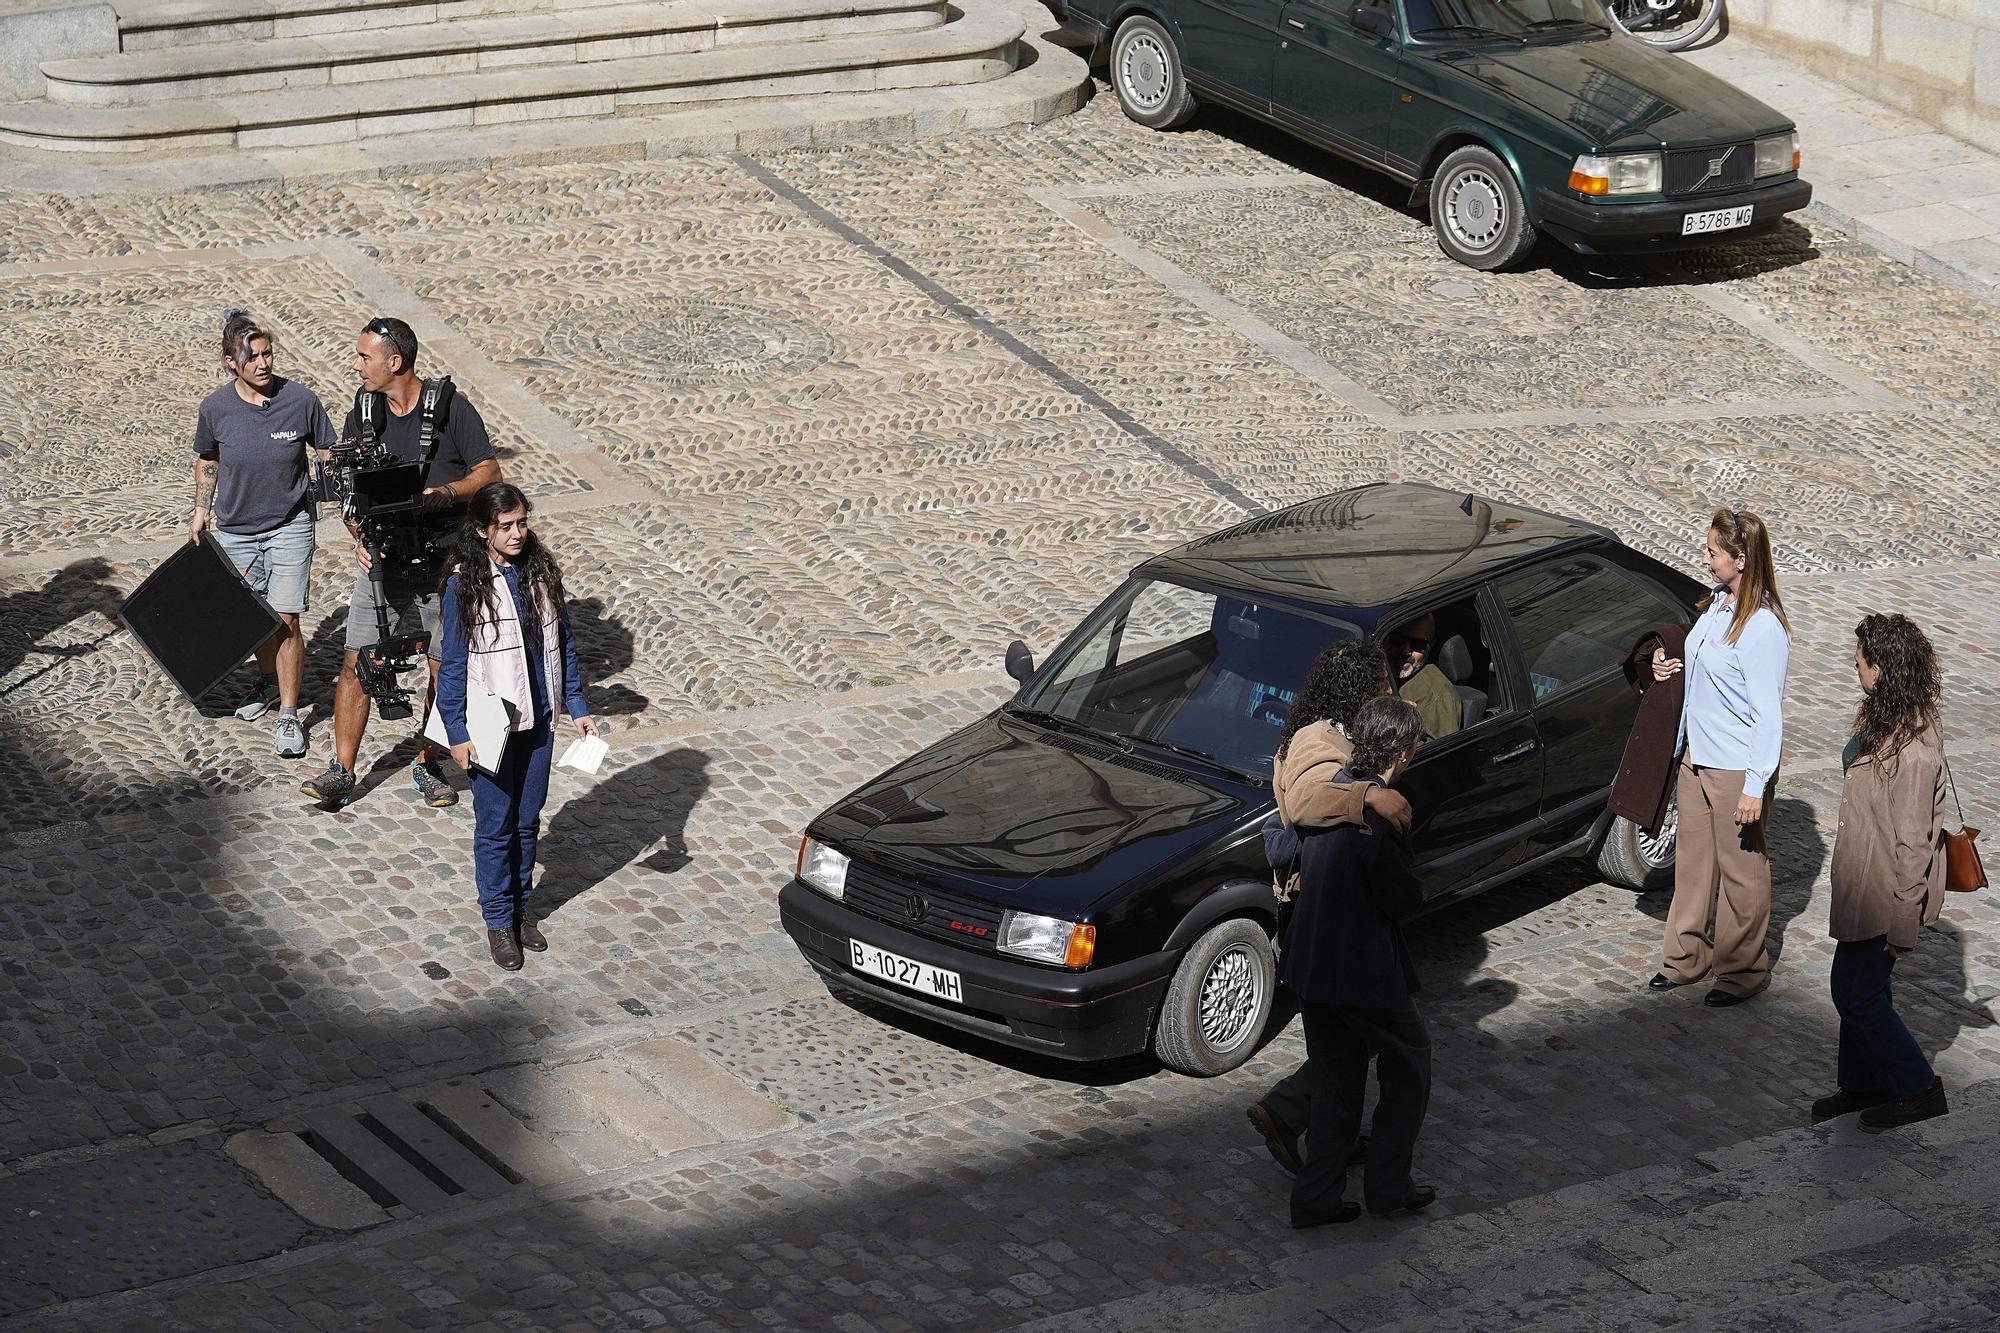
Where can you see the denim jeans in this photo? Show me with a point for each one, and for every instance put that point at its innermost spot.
(1878, 1056)
(506, 821)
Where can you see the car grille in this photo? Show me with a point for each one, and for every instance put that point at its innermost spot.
(1693, 170)
(886, 896)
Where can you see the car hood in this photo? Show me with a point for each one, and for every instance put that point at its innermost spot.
(1039, 820)
(1618, 93)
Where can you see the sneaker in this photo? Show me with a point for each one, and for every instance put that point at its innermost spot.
(259, 700)
(333, 788)
(291, 738)
(431, 787)
(1926, 1105)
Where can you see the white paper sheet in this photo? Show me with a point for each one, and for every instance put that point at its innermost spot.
(585, 754)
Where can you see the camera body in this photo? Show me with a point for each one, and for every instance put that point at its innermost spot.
(382, 493)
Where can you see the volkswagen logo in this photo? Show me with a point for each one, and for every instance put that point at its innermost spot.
(915, 907)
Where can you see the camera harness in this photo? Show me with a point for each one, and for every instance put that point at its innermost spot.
(371, 410)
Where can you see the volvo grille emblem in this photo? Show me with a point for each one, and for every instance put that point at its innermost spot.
(915, 907)
(1715, 165)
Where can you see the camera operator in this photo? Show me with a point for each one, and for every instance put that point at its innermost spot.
(461, 462)
(250, 476)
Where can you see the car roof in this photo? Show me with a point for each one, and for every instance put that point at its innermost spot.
(1372, 546)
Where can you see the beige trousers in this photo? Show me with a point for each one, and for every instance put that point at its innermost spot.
(1721, 873)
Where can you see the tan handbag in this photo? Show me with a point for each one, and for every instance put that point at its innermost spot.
(1962, 871)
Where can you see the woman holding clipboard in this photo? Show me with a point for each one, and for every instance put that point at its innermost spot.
(506, 637)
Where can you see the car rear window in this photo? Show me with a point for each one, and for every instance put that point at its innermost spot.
(1577, 618)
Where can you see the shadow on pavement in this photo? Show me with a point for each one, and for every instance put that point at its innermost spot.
(637, 812)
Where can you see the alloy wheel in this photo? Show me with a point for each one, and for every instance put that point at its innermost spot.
(1475, 209)
(1231, 997)
(1142, 72)
(1657, 850)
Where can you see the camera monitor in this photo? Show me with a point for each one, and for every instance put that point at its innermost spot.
(385, 490)
(197, 617)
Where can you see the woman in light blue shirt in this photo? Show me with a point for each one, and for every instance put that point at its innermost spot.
(1732, 730)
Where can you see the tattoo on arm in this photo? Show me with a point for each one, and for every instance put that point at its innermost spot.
(204, 483)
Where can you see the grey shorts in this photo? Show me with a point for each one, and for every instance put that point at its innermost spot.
(361, 627)
(278, 563)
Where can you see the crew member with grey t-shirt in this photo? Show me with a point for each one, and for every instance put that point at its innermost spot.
(252, 472)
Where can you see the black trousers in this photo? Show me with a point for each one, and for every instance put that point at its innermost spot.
(1340, 1041)
(1878, 1056)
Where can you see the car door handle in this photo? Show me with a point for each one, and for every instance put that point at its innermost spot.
(1521, 751)
(1294, 23)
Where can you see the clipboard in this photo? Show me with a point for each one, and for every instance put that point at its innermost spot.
(489, 725)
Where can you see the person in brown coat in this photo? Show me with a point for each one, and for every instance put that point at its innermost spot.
(1888, 874)
(1305, 779)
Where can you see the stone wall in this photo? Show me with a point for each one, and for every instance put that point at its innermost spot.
(32, 31)
(1939, 60)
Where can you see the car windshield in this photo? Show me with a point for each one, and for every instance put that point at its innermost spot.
(1177, 668)
(1461, 20)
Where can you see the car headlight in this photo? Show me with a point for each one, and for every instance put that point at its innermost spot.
(1778, 154)
(1616, 173)
(1047, 939)
(823, 868)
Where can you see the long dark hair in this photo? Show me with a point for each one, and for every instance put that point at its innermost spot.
(1343, 678)
(1383, 729)
(1904, 703)
(541, 579)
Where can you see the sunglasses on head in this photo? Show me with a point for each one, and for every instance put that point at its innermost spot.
(377, 326)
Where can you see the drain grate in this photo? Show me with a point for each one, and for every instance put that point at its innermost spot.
(398, 1152)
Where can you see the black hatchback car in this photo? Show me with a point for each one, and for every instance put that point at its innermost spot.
(1080, 872)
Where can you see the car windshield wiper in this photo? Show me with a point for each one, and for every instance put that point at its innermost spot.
(1471, 28)
(1542, 24)
(1192, 753)
(1068, 724)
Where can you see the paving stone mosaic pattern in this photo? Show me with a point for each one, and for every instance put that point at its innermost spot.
(805, 491)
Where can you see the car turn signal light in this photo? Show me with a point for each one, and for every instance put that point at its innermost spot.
(1583, 184)
(1082, 946)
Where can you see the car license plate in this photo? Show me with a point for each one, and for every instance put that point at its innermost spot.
(1716, 219)
(905, 972)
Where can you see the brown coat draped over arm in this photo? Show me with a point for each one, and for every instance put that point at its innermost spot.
(1646, 773)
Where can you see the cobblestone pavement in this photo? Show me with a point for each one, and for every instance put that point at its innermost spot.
(816, 434)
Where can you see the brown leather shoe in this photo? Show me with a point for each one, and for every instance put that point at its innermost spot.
(530, 935)
(506, 953)
(1284, 1144)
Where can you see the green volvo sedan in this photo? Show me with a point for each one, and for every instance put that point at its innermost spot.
(1517, 118)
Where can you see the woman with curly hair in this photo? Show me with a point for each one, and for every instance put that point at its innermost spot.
(1306, 779)
(1888, 873)
(506, 633)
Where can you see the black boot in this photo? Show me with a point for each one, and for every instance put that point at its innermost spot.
(1926, 1105)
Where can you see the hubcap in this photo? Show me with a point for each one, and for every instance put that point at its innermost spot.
(1142, 72)
(1231, 994)
(1475, 209)
(1658, 851)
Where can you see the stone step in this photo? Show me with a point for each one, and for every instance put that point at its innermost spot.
(981, 44)
(578, 36)
(149, 24)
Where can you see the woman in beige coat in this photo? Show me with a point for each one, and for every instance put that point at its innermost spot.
(1888, 874)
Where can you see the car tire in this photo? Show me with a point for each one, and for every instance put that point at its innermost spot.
(1632, 860)
(1146, 74)
(1478, 213)
(1219, 1000)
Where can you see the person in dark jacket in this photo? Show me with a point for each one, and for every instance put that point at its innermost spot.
(1347, 961)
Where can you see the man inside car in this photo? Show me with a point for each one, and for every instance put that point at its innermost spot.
(1418, 678)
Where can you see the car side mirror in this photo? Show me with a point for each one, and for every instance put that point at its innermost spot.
(1370, 19)
(1020, 662)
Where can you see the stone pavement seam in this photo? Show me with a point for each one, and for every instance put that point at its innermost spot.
(401, 1230)
(1098, 403)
